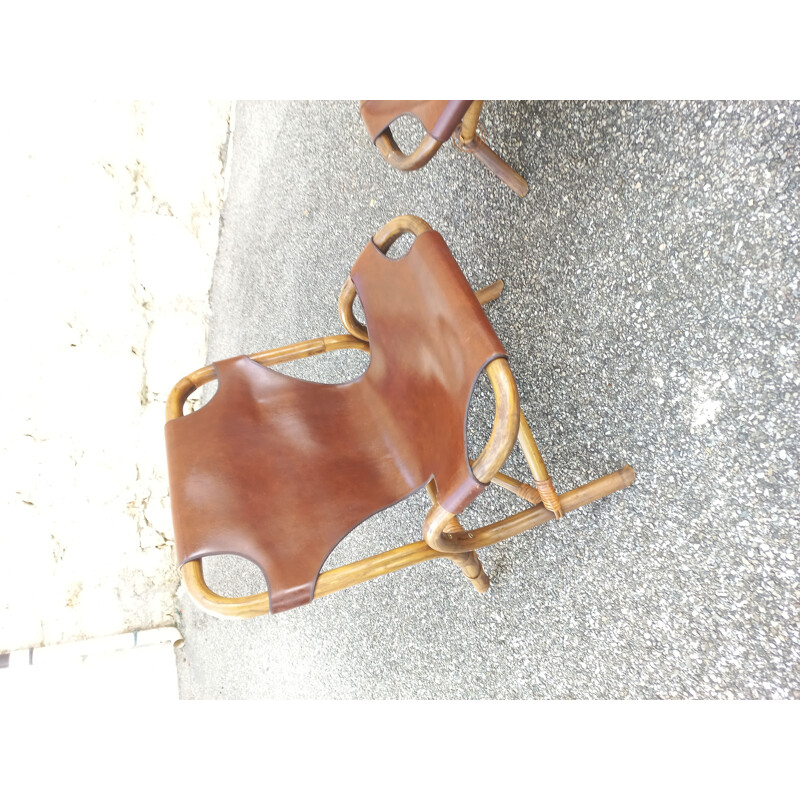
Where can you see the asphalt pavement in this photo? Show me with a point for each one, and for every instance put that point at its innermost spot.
(651, 317)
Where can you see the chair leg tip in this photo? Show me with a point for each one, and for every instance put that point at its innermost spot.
(481, 582)
(628, 475)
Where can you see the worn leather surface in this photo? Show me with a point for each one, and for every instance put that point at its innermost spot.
(279, 470)
(438, 117)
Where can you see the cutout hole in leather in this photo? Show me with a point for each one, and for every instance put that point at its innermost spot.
(480, 415)
(386, 529)
(407, 132)
(202, 397)
(399, 248)
(339, 366)
(358, 310)
(233, 576)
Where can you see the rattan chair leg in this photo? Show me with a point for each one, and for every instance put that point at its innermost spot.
(496, 165)
(469, 140)
(522, 490)
(469, 563)
(490, 292)
(543, 481)
(471, 566)
(469, 123)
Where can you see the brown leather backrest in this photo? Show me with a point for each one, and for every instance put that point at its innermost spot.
(279, 470)
(438, 117)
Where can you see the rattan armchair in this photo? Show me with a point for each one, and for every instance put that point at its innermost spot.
(279, 470)
(442, 119)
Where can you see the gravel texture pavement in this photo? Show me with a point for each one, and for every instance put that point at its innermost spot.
(651, 318)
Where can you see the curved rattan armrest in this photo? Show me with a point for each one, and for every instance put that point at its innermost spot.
(254, 605)
(279, 355)
(396, 158)
(501, 441)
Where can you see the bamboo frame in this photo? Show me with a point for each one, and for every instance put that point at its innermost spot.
(465, 137)
(443, 535)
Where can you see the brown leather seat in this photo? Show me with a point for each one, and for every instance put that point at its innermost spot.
(438, 117)
(279, 470)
